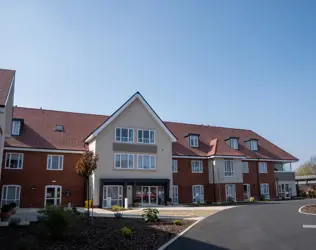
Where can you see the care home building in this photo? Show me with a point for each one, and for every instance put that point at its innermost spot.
(141, 157)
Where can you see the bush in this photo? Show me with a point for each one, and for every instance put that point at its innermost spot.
(126, 231)
(169, 200)
(5, 208)
(230, 200)
(150, 215)
(252, 199)
(116, 208)
(177, 222)
(56, 220)
(262, 198)
(118, 215)
(74, 209)
(14, 222)
(12, 205)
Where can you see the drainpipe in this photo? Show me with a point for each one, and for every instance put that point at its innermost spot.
(214, 189)
(259, 190)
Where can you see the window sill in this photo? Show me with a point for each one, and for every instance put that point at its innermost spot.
(54, 169)
(197, 172)
(14, 168)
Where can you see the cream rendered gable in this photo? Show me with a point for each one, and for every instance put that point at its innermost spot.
(134, 116)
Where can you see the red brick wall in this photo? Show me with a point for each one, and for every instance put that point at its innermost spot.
(185, 179)
(35, 174)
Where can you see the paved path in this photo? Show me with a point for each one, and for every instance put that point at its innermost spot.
(255, 227)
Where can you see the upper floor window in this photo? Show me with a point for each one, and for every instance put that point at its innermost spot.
(124, 135)
(263, 167)
(253, 145)
(124, 161)
(194, 141)
(16, 127)
(146, 136)
(245, 167)
(229, 168)
(146, 162)
(59, 128)
(55, 162)
(233, 143)
(174, 166)
(197, 166)
(13, 161)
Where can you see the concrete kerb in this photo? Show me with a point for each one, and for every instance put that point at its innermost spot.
(300, 210)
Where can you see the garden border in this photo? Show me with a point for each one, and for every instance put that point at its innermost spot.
(300, 210)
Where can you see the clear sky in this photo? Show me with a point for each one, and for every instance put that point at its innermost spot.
(245, 64)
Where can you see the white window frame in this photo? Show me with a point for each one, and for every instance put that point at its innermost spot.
(20, 158)
(234, 143)
(54, 198)
(141, 140)
(8, 201)
(105, 195)
(152, 158)
(193, 141)
(128, 165)
(263, 167)
(174, 166)
(232, 189)
(193, 193)
(129, 131)
(50, 162)
(175, 199)
(16, 127)
(245, 167)
(253, 145)
(229, 168)
(265, 187)
(200, 167)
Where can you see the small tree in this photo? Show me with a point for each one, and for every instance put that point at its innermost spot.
(85, 167)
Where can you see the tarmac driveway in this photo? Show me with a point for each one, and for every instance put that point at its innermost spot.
(254, 227)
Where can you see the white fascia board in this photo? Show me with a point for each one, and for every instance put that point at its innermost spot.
(261, 159)
(189, 157)
(45, 150)
(121, 109)
(226, 156)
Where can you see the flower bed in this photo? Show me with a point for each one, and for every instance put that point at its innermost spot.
(309, 209)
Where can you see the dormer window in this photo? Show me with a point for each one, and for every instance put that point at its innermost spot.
(232, 142)
(16, 127)
(194, 141)
(252, 144)
(59, 128)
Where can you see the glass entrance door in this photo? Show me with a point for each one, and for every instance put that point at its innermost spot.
(149, 195)
(52, 195)
(285, 190)
(246, 191)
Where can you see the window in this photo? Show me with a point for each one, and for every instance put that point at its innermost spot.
(263, 167)
(124, 135)
(175, 194)
(174, 166)
(194, 141)
(197, 193)
(230, 190)
(234, 143)
(112, 195)
(14, 161)
(245, 167)
(197, 166)
(55, 162)
(59, 128)
(264, 189)
(124, 161)
(253, 145)
(16, 127)
(146, 162)
(229, 168)
(11, 193)
(53, 195)
(146, 136)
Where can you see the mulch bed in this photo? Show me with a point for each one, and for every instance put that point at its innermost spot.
(309, 209)
(103, 234)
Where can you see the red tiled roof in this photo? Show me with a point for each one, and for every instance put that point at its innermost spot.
(5, 83)
(39, 132)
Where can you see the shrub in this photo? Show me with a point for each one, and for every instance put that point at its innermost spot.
(57, 220)
(14, 222)
(169, 200)
(118, 215)
(12, 205)
(115, 208)
(150, 215)
(262, 198)
(74, 209)
(5, 208)
(126, 231)
(230, 200)
(252, 199)
(177, 222)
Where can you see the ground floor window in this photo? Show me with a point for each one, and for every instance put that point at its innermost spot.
(197, 193)
(285, 190)
(10, 193)
(175, 193)
(53, 195)
(230, 191)
(112, 195)
(150, 195)
(264, 189)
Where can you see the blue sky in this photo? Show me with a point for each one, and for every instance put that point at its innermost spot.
(244, 64)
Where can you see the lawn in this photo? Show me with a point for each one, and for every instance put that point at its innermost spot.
(104, 233)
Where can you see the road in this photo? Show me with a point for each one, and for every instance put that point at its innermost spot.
(254, 227)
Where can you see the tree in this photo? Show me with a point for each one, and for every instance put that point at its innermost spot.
(85, 167)
(307, 168)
